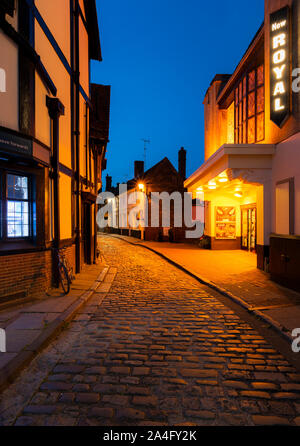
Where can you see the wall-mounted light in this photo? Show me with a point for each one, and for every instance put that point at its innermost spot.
(238, 194)
(141, 186)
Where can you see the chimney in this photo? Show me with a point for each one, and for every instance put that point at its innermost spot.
(138, 169)
(108, 183)
(182, 163)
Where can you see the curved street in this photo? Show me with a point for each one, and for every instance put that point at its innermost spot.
(160, 348)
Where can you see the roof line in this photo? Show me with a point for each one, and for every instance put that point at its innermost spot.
(258, 36)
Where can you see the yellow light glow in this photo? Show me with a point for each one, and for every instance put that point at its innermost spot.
(223, 180)
(279, 88)
(279, 71)
(212, 185)
(278, 25)
(200, 189)
(278, 105)
(141, 186)
(279, 56)
(279, 40)
(238, 194)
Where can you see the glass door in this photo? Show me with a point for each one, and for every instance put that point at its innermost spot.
(248, 223)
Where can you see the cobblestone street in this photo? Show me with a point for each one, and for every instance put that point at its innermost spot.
(159, 349)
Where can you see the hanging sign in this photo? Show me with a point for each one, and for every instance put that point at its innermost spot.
(280, 65)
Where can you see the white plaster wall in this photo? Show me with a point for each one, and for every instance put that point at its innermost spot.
(286, 164)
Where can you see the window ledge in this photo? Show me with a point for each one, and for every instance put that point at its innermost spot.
(18, 247)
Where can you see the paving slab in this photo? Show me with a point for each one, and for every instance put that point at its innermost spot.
(54, 305)
(17, 340)
(32, 321)
(288, 317)
(5, 358)
(30, 328)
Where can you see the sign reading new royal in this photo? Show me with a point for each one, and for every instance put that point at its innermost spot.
(280, 65)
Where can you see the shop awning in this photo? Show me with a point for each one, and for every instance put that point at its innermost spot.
(248, 162)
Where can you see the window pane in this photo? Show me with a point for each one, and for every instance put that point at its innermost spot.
(17, 187)
(240, 134)
(251, 104)
(260, 100)
(251, 80)
(17, 219)
(261, 127)
(260, 75)
(251, 131)
(245, 86)
(244, 132)
(236, 117)
(244, 109)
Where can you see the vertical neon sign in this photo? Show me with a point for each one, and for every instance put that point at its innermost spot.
(280, 65)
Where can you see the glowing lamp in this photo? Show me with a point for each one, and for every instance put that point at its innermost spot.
(141, 186)
(212, 185)
(238, 194)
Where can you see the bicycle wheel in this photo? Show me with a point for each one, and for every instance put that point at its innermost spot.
(64, 278)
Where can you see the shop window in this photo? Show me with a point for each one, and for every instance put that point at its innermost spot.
(250, 108)
(17, 207)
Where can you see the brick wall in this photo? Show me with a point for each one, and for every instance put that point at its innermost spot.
(70, 254)
(28, 275)
(24, 275)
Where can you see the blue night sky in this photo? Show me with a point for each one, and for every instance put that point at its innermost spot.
(160, 56)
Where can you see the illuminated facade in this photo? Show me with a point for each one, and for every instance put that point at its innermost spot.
(162, 178)
(49, 171)
(251, 174)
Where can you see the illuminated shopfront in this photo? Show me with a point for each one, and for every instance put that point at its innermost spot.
(251, 174)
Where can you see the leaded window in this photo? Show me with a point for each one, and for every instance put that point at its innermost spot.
(250, 108)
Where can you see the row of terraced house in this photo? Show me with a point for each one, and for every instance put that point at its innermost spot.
(53, 137)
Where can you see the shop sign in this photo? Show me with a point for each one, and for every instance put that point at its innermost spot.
(10, 143)
(280, 65)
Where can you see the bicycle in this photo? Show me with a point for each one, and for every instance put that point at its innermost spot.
(65, 271)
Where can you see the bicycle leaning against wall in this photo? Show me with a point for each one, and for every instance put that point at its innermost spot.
(65, 271)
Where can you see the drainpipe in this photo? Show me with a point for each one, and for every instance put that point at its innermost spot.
(77, 138)
(95, 151)
(55, 109)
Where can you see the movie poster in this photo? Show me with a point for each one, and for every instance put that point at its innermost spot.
(225, 222)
